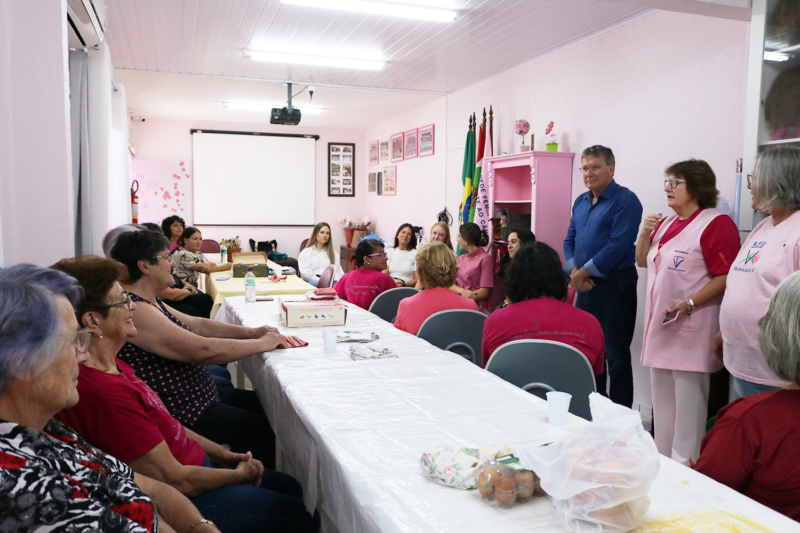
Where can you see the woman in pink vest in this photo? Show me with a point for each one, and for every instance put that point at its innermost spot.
(770, 254)
(687, 256)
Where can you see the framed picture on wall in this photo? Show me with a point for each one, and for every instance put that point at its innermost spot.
(380, 183)
(372, 182)
(341, 169)
(425, 141)
(373, 153)
(390, 181)
(396, 145)
(410, 144)
(384, 150)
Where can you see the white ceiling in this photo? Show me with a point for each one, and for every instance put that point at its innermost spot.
(199, 98)
(489, 36)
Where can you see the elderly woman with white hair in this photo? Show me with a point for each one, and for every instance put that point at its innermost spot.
(770, 254)
(753, 445)
(52, 478)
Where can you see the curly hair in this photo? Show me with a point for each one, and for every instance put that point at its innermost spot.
(535, 273)
(701, 182)
(96, 275)
(437, 265)
(412, 243)
(166, 225)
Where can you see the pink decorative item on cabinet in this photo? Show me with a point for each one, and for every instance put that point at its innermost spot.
(537, 184)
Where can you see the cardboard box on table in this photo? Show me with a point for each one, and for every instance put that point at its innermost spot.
(257, 260)
(305, 314)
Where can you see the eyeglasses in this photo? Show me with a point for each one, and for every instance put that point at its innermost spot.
(80, 339)
(127, 302)
(379, 254)
(673, 182)
(167, 257)
(749, 180)
(593, 168)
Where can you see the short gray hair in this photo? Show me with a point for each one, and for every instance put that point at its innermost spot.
(111, 237)
(779, 335)
(29, 317)
(599, 150)
(776, 179)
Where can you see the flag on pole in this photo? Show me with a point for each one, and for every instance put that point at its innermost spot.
(476, 177)
(482, 215)
(467, 174)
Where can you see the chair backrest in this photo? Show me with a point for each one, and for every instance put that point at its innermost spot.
(539, 366)
(385, 305)
(457, 330)
(326, 278)
(303, 244)
(210, 246)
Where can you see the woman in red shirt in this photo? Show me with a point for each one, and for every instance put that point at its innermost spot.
(363, 285)
(753, 446)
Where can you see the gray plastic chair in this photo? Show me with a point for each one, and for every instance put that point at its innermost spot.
(385, 305)
(540, 366)
(457, 330)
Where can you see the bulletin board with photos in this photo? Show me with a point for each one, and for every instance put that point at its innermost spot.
(341, 169)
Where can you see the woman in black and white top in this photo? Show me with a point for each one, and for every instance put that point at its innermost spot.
(402, 263)
(318, 255)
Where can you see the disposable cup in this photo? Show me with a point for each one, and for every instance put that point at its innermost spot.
(329, 337)
(558, 407)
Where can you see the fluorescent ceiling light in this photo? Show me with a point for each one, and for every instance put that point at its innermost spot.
(775, 56)
(241, 106)
(306, 59)
(408, 9)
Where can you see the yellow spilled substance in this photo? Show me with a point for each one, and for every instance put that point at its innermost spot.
(704, 522)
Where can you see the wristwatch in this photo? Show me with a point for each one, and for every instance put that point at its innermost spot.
(691, 305)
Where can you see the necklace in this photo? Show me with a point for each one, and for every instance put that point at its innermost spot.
(106, 370)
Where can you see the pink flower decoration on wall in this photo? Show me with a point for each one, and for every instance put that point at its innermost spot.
(164, 180)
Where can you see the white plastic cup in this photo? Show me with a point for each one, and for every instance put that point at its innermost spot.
(558, 407)
(329, 338)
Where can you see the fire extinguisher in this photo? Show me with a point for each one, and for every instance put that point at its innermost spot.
(135, 201)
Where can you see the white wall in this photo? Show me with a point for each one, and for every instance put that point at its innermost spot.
(660, 89)
(36, 204)
(170, 140)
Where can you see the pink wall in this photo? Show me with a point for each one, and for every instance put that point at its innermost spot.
(170, 140)
(35, 159)
(660, 89)
(421, 183)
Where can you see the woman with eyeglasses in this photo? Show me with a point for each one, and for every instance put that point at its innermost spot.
(123, 416)
(769, 255)
(687, 256)
(53, 479)
(362, 285)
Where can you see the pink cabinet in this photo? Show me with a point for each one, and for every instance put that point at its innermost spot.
(534, 183)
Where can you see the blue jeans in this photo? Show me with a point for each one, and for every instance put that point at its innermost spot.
(220, 375)
(314, 281)
(742, 388)
(276, 505)
(613, 302)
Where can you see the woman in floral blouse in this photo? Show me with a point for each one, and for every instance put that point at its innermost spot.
(52, 480)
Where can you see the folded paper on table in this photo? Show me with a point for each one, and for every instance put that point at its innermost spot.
(364, 351)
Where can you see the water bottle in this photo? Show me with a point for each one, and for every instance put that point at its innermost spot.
(249, 286)
(223, 254)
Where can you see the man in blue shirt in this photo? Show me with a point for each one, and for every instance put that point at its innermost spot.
(600, 249)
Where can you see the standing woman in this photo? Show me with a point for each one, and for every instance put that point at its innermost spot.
(363, 285)
(173, 229)
(687, 255)
(440, 232)
(475, 268)
(401, 260)
(319, 255)
(770, 254)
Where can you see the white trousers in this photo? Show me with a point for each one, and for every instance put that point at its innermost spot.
(680, 408)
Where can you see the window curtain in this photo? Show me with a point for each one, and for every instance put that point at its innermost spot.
(81, 176)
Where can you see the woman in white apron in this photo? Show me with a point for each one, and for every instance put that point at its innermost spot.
(687, 255)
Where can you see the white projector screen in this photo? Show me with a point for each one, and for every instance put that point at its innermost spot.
(253, 180)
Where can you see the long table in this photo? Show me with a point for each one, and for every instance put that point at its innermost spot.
(361, 426)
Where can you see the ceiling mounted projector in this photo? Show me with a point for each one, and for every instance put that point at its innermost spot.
(288, 116)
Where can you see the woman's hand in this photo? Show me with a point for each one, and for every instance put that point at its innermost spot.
(274, 340)
(651, 223)
(681, 307)
(248, 470)
(400, 283)
(191, 288)
(257, 333)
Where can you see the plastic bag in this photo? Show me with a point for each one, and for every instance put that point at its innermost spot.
(458, 467)
(598, 476)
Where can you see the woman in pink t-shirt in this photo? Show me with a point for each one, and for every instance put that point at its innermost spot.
(363, 285)
(475, 268)
(436, 272)
(769, 255)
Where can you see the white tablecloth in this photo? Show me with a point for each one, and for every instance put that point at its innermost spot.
(366, 423)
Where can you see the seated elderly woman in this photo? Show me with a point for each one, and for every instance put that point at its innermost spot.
(436, 271)
(752, 448)
(536, 287)
(121, 415)
(362, 285)
(52, 478)
(171, 349)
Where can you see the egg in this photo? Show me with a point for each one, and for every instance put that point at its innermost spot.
(486, 482)
(525, 485)
(505, 488)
